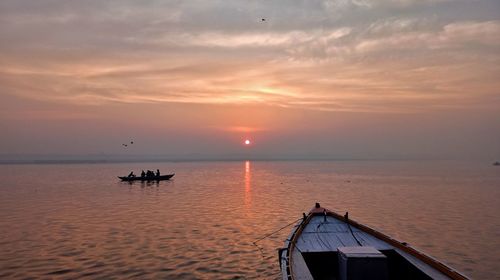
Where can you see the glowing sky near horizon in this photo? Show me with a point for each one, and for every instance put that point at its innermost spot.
(346, 78)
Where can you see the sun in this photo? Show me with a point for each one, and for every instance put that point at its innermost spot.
(247, 142)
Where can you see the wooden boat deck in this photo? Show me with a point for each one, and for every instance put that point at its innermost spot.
(320, 236)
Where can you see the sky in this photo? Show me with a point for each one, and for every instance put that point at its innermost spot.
(337, 79)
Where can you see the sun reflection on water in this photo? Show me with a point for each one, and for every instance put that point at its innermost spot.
(248, 188)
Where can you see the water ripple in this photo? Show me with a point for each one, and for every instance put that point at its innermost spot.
(201, 226)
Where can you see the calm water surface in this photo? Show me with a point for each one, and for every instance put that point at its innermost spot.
(77, 220)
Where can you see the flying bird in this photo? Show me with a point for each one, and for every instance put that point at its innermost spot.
(263, 19)
(126, 145)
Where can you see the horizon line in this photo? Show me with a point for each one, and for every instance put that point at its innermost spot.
(223, 159)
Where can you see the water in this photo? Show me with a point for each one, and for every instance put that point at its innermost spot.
(72, 221)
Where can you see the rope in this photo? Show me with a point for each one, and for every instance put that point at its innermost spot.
(276, 231)
(349, 226)
(267, 235)
(319, 236)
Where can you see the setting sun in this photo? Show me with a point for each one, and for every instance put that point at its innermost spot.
(247, 142)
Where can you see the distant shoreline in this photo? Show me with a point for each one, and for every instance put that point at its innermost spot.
(164, 160)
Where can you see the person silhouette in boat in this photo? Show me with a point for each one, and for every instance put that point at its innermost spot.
(143, 174)
(131, 175)
(157, 172)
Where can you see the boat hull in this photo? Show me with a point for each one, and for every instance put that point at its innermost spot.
(325, 233)
(143, 179)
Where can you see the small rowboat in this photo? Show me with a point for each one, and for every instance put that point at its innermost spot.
(326, 245)
(150, 178)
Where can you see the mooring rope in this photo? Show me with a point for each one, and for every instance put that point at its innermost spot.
(276, 231)
(269, 234)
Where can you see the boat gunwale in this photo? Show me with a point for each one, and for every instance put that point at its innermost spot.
(428, 260)
(291, 244)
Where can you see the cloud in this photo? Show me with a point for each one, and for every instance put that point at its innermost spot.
(240, 129)
(369, 4)
(353, 56)
(261, 39)
(452, 35)
(486, 33)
